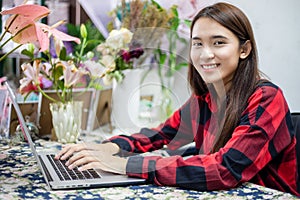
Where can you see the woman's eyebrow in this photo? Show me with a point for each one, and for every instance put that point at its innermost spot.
(212, 37)
(218, 36)
(196, 38)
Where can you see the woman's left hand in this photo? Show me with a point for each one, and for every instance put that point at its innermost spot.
(88, 159)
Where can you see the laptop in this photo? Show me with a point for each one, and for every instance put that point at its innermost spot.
(54, 171)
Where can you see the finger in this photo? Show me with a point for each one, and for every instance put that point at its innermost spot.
(80, 155)
(81, 161)
(69, 150)
(91, 165)
(64, 150)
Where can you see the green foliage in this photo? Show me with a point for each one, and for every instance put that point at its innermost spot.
(90, 32)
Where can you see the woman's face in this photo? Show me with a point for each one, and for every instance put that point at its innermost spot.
(215, 51)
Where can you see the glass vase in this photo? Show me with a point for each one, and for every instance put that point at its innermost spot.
(166, 104)
(66, 120)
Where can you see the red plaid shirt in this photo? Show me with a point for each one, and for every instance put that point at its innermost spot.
(261, 149)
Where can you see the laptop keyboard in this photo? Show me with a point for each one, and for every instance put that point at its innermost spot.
(64, 173)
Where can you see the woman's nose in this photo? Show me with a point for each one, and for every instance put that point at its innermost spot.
(208, 53)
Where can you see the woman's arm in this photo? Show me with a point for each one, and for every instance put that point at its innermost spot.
(263, 140)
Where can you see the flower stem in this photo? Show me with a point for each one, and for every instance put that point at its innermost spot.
(45, 94)
(6, 28)
(2, 36)
(5, 55)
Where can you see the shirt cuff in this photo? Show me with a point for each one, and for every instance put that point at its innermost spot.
(142, 167)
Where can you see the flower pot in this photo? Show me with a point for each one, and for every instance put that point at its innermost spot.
(125, 101)
(66, 120)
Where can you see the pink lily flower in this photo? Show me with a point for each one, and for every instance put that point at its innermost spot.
(21, 22)
(44, 32)
(24, 27)
(33, 78)
(72, 75)
(32, 72)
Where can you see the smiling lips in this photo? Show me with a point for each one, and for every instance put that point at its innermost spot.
(209, 66)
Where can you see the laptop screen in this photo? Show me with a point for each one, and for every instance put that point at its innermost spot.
(21, 118)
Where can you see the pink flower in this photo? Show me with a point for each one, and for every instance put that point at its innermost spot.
(125, 55)
(33, 78)
(28, 87)
(45, 31)
(72, 75)
(24, 27)
(21, 23)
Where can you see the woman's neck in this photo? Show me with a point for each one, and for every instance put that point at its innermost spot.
(221, 90)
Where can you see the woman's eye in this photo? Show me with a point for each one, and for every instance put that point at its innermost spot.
(219, 43)
(197, 44)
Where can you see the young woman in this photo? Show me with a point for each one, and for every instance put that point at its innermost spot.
(240, 123)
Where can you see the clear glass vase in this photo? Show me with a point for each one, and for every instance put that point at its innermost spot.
(166, 104)
(66, 120)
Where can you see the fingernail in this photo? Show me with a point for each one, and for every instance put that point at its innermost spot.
(80, 168)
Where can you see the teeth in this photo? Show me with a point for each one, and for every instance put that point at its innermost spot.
(209, 66)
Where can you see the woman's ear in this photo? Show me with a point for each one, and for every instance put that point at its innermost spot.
(246, 49)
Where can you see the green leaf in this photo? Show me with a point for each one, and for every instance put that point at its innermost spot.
(27, 53)
(63, 54)
(157, 5)
(188, 22)
(174, 21)
(181, 65)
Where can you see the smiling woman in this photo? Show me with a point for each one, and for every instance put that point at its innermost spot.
(216, 51)
(239, 122)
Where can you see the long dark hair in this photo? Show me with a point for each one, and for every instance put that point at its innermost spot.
(246, 75)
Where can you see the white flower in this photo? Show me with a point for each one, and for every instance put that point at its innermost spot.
(107, 80)
(109, 62)
(96, 69)
(103, 49)
(117, 39)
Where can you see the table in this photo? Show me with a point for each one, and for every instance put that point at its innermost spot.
(20, 178)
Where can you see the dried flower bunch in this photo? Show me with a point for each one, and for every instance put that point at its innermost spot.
(146, 19)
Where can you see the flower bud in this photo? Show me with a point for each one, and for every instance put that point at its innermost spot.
(83, 31)
(90, 55)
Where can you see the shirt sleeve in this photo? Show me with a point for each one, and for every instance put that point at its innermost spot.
(261, 136)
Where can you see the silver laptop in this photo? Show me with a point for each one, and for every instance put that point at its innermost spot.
(57, 176)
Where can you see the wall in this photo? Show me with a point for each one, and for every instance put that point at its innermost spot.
(277, 31)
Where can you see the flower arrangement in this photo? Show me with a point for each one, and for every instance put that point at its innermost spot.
(157, 30)
(146, 19)
(117, 53)
(142, 18)
(60, 71)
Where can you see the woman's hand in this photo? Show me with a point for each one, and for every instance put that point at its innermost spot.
(69, 149)
(91, 155)
(87, 159)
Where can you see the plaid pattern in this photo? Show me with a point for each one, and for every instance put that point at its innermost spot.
(261, 149)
